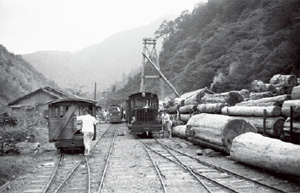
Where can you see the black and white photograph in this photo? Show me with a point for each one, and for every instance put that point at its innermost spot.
(198, 96)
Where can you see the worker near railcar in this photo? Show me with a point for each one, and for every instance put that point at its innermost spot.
(88, 129)
(167, 124)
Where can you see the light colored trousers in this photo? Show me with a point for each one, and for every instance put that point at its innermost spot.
(87, 140)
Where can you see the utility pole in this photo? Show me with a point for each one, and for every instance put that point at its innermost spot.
(95, 91)
(149, 51)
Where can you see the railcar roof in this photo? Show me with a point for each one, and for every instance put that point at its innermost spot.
(72, 100)
(140, 93)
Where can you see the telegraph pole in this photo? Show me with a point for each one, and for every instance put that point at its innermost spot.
(95, 91)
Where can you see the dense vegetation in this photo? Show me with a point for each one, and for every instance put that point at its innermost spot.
(227, 44)
(17, 78)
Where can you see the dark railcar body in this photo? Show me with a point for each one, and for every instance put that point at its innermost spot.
(62, 121)
(142, 112)
(115, 113)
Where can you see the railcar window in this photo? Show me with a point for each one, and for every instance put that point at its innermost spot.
(62, 111)
(142, 102)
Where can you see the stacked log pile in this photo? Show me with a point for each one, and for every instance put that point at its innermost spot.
(291, 110)
(271, 109)
(266, 109)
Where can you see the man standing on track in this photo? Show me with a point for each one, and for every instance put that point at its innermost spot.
(167, 123)
(88, 129)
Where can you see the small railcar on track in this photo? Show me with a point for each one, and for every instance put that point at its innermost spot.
(142, 112)
(62, 122)
(115, 113)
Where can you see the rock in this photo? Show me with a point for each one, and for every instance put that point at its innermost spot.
(26, 147)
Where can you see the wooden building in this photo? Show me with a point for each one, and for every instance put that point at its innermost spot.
(29, 109)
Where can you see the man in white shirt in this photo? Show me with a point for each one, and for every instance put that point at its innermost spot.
(88, 129)
(167, 123)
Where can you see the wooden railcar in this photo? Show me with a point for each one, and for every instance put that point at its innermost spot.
(62, 122)
(141, 113)
(115, 113)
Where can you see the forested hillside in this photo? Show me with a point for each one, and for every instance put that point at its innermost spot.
(227, 44)
(17, 78)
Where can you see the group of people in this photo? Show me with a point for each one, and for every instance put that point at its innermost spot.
(89, 123)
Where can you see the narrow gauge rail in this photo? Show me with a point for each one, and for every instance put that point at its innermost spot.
(71, 173)
(212, 176)
(89, 177)
(173, 174)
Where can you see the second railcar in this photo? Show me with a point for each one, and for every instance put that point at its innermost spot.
(115, 113)
(62, 122)
(142, 112)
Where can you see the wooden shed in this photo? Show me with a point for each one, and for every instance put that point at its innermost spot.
(29, 109)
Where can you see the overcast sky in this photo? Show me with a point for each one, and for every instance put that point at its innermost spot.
(66, 25)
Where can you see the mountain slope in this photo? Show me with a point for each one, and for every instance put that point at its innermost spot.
(18, 77)
(104, 63)
(230, 43)
(226, 44)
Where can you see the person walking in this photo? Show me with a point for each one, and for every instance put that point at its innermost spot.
(167, 123)
(88, 129)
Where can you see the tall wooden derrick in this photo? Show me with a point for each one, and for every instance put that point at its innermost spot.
(150, 59)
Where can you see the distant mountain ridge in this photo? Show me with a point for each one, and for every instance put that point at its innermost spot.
(17, 78)
(104, 63)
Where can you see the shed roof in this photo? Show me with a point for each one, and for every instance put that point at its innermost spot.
(51, 91)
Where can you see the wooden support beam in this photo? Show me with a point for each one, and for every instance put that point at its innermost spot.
(161, 74)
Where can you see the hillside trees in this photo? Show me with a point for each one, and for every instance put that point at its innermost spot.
(18, 77)
(227, 44)
(242, 40)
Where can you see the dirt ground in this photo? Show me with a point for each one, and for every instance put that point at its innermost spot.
(282, 182)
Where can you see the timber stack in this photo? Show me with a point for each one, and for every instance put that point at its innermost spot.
(244, 123)
(264, 107)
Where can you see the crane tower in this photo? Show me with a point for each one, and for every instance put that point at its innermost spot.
(149, 51)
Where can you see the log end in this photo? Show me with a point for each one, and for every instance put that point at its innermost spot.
(234, 128)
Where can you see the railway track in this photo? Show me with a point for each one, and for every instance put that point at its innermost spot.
(121, 162)
(73, 172)
(212, 178)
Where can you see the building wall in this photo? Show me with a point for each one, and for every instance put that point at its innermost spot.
(30, 110)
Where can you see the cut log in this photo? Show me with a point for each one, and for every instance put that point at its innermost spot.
(187, 109)
(284, 80)
(252, 111)
(249, 104)
(231, 98)
(259, 86)
(173, 109)
(274, 125)
(245, 93)
(296, 126)
(185, 117)
(217, 130)
(286, 108)
(279, 99)
(179, 101)
(259, 95)
(177, 122)
(210, 108)
(268, 153)
(179, 131)
(288, 89)
(296, 93)
(280, 90)
(194, 97)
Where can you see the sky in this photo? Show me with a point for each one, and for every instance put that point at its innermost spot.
(28, 26)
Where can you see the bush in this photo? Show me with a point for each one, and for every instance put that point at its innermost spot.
(14, 166)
